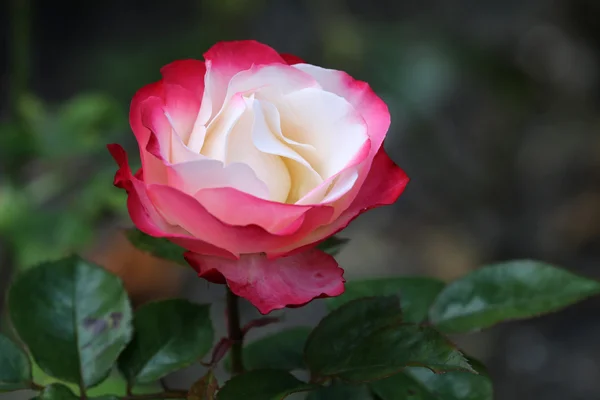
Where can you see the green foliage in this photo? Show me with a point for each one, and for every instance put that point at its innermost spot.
(15, 369)
(158, 247)
(74, 318)
(263, 384)
(339, 391)
(67, 186)
(416, 294)
(422, 384)
(169, 335)
(76, 322)
(56, 391)
(282, 350)
(366, 340)
(114, 384)
(81, 125)
(507, 291)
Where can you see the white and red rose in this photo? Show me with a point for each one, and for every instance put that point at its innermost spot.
(249, 159)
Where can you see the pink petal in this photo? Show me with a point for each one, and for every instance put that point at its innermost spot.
(154, 133)
(225, 59)
(385, 182)
(140, 131)
(144, 214)
(238, 208)
(154, 169)
(183, 210)
(373, 110)
(274, 284)
(188, 74)
(235, 56)
(291, 59)
(162, 143)
(181, 108)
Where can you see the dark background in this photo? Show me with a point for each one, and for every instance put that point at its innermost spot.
(495, 110)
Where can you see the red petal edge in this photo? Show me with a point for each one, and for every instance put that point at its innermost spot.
(292, 59)
(271, 284)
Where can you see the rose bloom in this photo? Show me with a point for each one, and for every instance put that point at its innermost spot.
(251, 158)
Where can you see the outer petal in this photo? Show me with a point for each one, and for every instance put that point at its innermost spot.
(180, 209)
(163, 143)
(188, 74)
(383, 185)
(141, 132)
(144, 215)
(373, 110)
(141, 210)
(274, 284)
(291, 59)
(181, 107)
(229, 58)
(154, 169)
(238, 208)
(225, 59)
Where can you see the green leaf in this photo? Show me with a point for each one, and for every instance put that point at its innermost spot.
(158, 247)
(56, 392)
(333, 245)
(416, 294)
(263, 384)
(205, 388)
(365, 340)
(282, 350)
(74, 317)
(338, 391)
(422, 384)
(169, 335)
(507, 291)
(15, 369)
(401, 386)
(115, 384)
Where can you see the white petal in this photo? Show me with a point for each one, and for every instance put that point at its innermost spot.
(303, 176)
(198, 134)
(273, 119)
(219, 129)
(192, 176)
(342, 185)
(327, 122)
(268, 167)
(270, 80)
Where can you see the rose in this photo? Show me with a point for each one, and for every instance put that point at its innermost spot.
(250, 159)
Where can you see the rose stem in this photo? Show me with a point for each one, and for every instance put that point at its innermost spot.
(235, 332)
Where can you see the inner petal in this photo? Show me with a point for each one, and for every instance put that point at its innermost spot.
(270, 80)
(327, 122)
(192, 176)
(198, 134)
(241, 148)
(220, 128)
(271, 141)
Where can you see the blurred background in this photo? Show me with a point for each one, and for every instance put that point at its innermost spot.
(496, 118)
